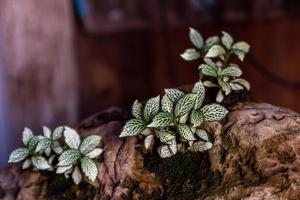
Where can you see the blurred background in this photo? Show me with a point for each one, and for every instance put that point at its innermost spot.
(63, 60)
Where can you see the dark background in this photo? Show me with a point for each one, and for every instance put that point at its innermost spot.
(61, 60)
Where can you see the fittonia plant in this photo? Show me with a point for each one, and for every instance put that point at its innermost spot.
(176, 119)
(216, 53)
(61, 150)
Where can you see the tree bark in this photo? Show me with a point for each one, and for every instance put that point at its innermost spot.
(255, 156)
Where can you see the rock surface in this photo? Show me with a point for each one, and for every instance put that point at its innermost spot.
(256, 155)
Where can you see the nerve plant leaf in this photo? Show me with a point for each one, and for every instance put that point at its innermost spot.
(242, 82)
(72, 138)
(133, 127)
(166, 104)
(151, 108)
(68, 157)
(18, 155)
(174, 94)
(148, 141)
(27, 135)
(40, 162)
(196, 118)
(89, 168)
(201, 146)
(190, 54)
(214, 112)
(196, 38)
(89, 143)
(162, 119)
(164, 151)
(137, 109)
(227, 40)
(76, 175)
(164, 135)
(202, 135)
(185, 132)
(232, 70)
(185, 105)
(209, 70)
(215, 51)
(242, 46)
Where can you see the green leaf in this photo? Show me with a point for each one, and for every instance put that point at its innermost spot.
(183, 119)
(225, 86)
(164, 135)
(211, 41)
(209, 84)
(89, 168)
(185, 105)
(232, 71)
(95, 153)
(242, 82)
(242, 46)
(40, 162)
(215, 51)
(214, 112)
(196, 118)
(33, 143)
(173, 146)
(68, 157)
(236, 86)
(209, 62)
(137, 110)
(166, 104)
(199, 89)
(72, 138)
(164, 151)
(202, 135)
(209, 70)
(27, 135)
(57, 133)
(227, 40)
(148, 141)
(47, 132)
(196, 38)
(190, 54)
(133, 127)
(151, 108)
(89, 143)
(43, 144)
(55, 146)
(220, 96)
(240, 54)
(76, 175)
(162, 119)
(174, 94)
(63, 169)
(185, 132)
(146, 132)
(201, 146)
(18, 155)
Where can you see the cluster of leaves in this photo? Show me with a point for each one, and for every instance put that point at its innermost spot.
(176, 120)
(216, 53)
(61, 150)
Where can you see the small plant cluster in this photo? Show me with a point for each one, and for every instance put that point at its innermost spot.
(176, 119)
(216, 53)
(61, 150)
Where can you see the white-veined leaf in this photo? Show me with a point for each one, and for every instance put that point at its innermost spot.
(214, 112)
(57, 133)
(61, 170)
(185, 132)
(40, 162)
(210, 41)
(47, 132)
(232, 70)
(165, 136)
(148, 141)
(18, 155)
(209, 70)
(33, 143)
(72, 138)
(196, 118)
(174, 94)
(164, 151)
(89, 143)
(68, 157)
(242, 82)
(26, 164)
(43, 144)
(209, 84)
(190, 54)
(146, 132)
(196, 38)
(227, 40)
(199, 89)
(185, 105)
(202, 135)
(162, 119)
(240, 54)
(166, 104)
(55, 146)
(183, 119)
(242, 46)
(76, 175)
(27, 135)
(94, 153)
(220, 96)
(89, 168)
(209, 62)
(215, 51)
(201, 146)
(133, 127)
(137, 110)
(225, 86)
(173, 146)
(236, 86)
(151, 108)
